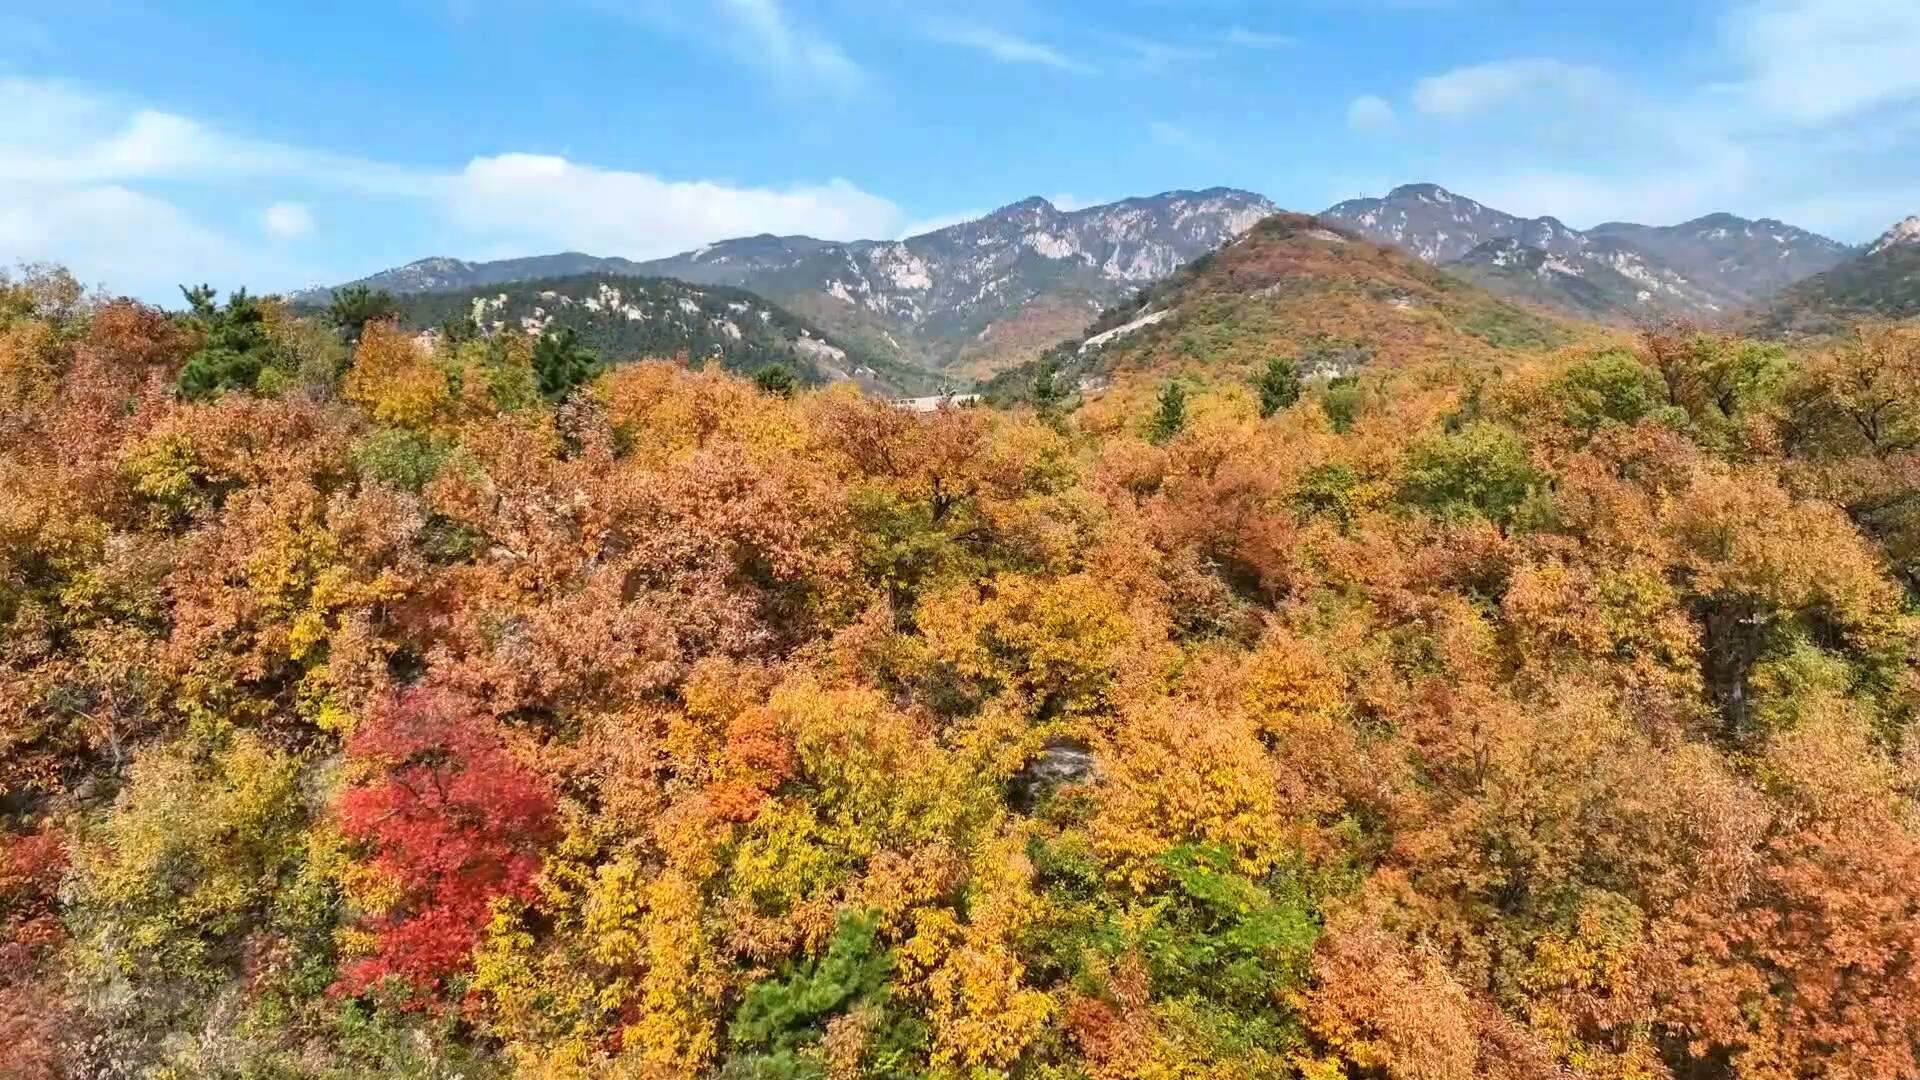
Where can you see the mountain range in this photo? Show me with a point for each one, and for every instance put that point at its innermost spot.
(986, 295)
(1709, 268)
(969, 298)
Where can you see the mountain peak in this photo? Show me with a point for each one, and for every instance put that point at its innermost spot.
(1032, 204)
(1424, 191)
(1906, 232)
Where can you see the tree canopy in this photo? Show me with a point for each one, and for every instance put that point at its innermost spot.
(460, 706)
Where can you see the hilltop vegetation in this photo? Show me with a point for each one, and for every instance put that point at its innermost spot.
(1296, 285)
(372, 710)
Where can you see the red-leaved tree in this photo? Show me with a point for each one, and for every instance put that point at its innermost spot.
(33, 1010)
(452, 821)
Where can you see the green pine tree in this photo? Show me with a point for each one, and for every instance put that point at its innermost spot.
(355, 306)
(561, 363)
(775, 379)
(236, 347)
(1278, 385)
(1048, 392)
(1170, 418)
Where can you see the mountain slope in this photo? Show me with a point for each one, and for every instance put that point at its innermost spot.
(1738, 259)
(1881, 283)
(971, 297)
(627, 318)
(1703, 268)
(1293, 285)
(1565, 284)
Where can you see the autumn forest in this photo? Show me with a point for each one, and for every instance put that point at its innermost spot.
(448, 704)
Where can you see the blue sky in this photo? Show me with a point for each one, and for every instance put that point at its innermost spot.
(145, 144)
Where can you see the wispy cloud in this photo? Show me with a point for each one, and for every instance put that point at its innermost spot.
(1467, 90)
(286, 220)
(773, 40)
(1002, 45)
(1368, 113)
(531, 202)
(1258, 39)
(1154, 53)
(1814, 61)
(56, 133)
(1821, 99)
(105, 186)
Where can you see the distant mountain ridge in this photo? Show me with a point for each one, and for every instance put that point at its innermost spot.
(971, 297)
(1881, 282)
(1706, 268)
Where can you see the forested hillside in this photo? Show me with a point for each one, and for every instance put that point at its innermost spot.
(1295, 285)
(1518, 702)
(627, 318)
(1882, 283)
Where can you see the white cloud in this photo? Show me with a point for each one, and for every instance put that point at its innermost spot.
(536, 202)
(772, 39)
(82, 176)
(1814, 119)
(131, 242)
(286, 220)
(1005, 47)
(73, 165)
(55, 133)
(1470, 89)
(1813, 61)
(1153, 54)
(1368, 113)
(1259, 39)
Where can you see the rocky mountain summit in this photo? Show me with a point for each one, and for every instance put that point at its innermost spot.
(1906, 232)
(1434, 224)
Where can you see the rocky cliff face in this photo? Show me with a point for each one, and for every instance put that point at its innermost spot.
(1428, 221)
(976, 294)
(1906, 232)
